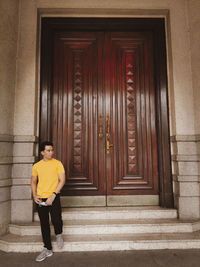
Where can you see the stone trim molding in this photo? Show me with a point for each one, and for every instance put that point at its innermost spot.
(189, 178)
(12, 159)
(6, 138)
(24, 160)
(21, 181)
(25, 139)
(185, 138)
(6, 160)
(192, 158)
(186, 178)
(102, 12)
(18, 138)
(5, 182)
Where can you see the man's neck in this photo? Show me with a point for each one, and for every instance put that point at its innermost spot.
(45, 159)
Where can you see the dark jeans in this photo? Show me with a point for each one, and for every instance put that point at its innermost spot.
(56, 218)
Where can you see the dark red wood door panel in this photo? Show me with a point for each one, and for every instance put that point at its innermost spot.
(132, 167)
(109, 75)
(77, 105)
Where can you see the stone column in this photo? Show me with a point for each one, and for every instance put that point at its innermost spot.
(8, 49)
(6, 148)
(25, 114)
(186, 175)
(23, 159)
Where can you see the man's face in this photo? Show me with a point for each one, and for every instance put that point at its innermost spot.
(47, 153)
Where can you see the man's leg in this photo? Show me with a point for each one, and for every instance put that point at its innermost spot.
(43, 213)
(56, 215)
(56, 218)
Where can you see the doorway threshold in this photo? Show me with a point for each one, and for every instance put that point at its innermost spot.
(109, 201)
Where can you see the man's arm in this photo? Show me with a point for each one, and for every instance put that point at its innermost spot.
(34, 189)
(61, 183)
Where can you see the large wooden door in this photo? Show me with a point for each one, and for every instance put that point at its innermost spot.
(104, 106)
(132, 166)
(77, 106)
(103, 112)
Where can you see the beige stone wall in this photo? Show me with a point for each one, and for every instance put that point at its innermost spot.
(183, 78)
(186, 148)
(185, 162)
(23, 158)
(194, 30)
(8, 49)
(25, 114)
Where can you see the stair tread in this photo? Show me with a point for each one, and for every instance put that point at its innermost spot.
(92, 210)
(123, 209)
(112, 213)
(11, 238)
(111, 222)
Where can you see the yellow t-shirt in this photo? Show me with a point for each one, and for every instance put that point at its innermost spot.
(47, 173)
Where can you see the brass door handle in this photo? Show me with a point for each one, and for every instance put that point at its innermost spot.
(107, 126)
(100, 126)
(108, 145)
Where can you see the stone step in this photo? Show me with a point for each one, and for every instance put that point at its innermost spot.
(111, 213)
(13, 243)
(99, 227)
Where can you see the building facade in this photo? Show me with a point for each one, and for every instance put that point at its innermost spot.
(20, 93)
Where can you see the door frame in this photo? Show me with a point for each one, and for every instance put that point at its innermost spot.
(157, 26)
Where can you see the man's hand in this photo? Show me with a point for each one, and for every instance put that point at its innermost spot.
(37, 199)
(50, 200)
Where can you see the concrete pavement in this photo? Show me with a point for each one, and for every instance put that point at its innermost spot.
(150, 258)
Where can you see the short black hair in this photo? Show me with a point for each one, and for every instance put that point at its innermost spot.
(45, 143)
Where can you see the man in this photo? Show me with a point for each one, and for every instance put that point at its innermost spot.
(48, 178)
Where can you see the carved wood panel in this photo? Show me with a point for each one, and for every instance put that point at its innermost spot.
(130, 113)
(76, 107)
(133, 163)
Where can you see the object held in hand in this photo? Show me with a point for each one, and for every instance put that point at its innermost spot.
(42, 204)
